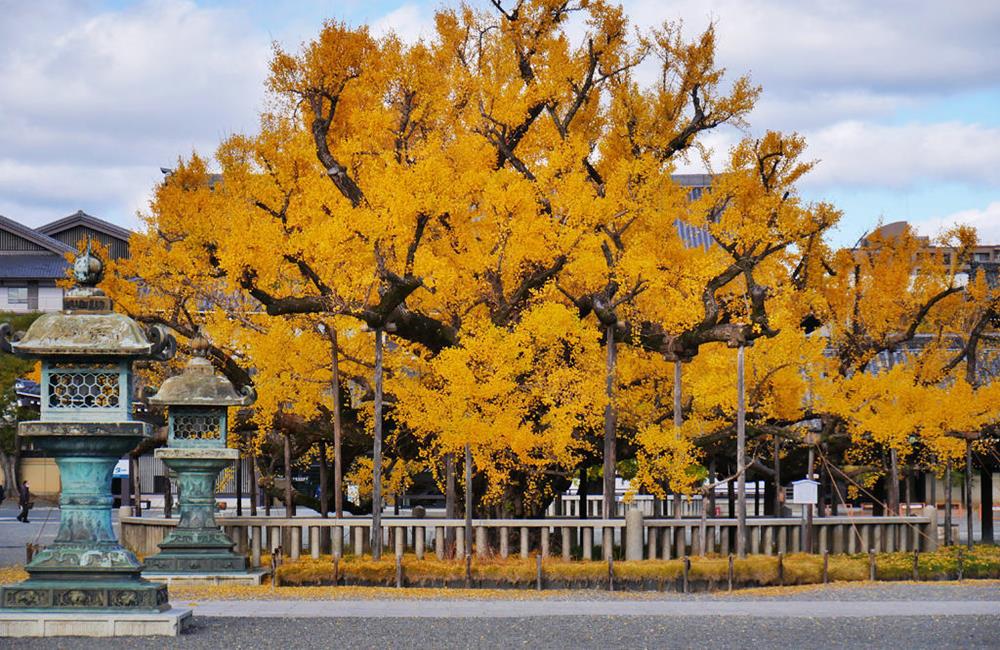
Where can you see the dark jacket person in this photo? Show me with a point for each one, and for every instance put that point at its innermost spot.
(24, 501)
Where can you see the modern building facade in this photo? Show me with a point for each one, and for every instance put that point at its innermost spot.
(983, 254)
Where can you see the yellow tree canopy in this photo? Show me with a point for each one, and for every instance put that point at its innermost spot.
(493, 198)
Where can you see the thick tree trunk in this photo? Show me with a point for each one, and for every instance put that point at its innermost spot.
(947, 504)
(741, 456)
(731, 498)
(254, 487)
(968, 492)
(468, 501)
(678, 423)
(323, 487)
(892, 489)
(712, 478)
(986, 502)
(239, 485)
(289, 490)
(377, 454)
(777, 476)
(450, 504)
(908, 484)
(8, 464)
(609, 426)
(879, 497)
(338, 475)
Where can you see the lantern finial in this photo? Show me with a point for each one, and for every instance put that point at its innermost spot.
(88, 269)
(200, 345)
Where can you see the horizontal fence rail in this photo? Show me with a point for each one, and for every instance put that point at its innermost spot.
(637, 537)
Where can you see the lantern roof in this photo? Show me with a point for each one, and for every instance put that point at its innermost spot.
(198, 385)
(83, 335)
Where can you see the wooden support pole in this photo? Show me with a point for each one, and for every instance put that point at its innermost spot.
(376, 538)
(741, 456)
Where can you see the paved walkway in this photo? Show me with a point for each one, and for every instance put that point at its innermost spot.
(523, 609)
(41, 529)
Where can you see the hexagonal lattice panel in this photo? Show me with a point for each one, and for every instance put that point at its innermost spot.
(196, 426)
(83, 390)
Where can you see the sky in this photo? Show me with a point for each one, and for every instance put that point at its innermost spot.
(899, 100)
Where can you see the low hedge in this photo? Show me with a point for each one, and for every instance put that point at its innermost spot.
(705, 573)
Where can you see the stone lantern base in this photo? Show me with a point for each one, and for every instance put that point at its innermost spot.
(85, 568)
(76, 595)
(197, 545)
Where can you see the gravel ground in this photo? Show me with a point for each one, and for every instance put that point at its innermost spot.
(562, 632)
(969, 590)
(978, 590)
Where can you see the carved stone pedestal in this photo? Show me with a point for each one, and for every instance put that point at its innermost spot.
(85, 568)
(197, 545)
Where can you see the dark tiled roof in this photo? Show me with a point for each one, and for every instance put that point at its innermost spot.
(33, 267)
(35, 237)
(81, 218)
(693, 236)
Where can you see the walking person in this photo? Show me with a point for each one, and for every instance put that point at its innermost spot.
(3, 494)
(25, 502)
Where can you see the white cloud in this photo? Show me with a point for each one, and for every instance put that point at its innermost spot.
(866, 154)
(852, 59)
(94, 100)
(924, 44)
(409, 22)
(93, 104)
(985, 220)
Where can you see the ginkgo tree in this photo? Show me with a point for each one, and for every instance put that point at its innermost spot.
(471, 242)
(338, 206)
(874, 302)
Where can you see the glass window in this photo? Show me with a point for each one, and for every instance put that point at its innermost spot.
(982, 257)
(17, 295)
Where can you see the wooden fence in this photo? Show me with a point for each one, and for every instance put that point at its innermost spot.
(637, 537)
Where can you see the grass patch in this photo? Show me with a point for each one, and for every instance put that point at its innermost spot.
(706, 573)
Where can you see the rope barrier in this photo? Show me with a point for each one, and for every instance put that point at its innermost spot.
(850, 515)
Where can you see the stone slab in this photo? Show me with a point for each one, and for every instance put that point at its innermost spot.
(248, 578)
(96, 624)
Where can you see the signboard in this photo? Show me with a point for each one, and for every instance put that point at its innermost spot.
(121, 469)
(805, 491)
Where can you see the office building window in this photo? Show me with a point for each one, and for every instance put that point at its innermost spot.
(947, 258)
(982, 257)
(17, 295)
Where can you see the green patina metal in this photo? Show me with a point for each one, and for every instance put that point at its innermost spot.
(86, 354)
(197, 401)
